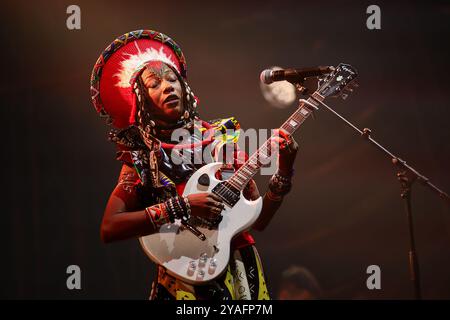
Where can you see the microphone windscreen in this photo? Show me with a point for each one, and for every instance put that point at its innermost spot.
(265, 76)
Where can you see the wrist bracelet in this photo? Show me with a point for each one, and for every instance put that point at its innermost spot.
(171, 209)
(158, 215)
(186, 212)
(280, 185)
(188, 206)
(178, 209)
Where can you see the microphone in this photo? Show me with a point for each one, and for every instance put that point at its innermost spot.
(293, 75)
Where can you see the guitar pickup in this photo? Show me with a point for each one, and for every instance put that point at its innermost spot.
(227, 193)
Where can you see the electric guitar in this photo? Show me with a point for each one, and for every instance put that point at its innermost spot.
(197, 254)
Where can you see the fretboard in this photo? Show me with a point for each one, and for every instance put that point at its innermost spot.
(243, 175)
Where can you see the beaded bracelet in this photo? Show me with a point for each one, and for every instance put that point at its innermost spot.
(187, 204)
(178, 209)
(171, 209)
(158, 215)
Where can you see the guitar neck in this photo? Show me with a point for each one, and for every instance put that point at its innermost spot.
(254, 163)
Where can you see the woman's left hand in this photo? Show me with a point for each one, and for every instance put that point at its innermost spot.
(288, 151)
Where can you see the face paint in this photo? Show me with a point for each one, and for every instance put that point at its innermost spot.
(155, 69)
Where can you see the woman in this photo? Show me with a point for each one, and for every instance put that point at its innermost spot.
(139, 84)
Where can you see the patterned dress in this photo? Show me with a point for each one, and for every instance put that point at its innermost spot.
(244, 277)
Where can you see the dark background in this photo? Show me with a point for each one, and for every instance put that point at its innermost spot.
(344, 212)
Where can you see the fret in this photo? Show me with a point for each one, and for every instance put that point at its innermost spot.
(239, 181)
(304, 111)
(301, 116)
(247, 171)
(238, 178)
(263, 154)
(293, 123)
(241, 176)
(233, 183)
(317, 96)
(287, 127)
(252, 167)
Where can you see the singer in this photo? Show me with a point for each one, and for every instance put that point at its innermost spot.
(139, 84)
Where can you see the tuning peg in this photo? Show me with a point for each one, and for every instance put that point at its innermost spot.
(346, 92)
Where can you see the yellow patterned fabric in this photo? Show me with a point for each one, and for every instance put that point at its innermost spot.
(229, 283)
(263, 293)
(184, 295)
(229, 127)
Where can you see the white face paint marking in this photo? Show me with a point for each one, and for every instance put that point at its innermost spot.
(133, 61)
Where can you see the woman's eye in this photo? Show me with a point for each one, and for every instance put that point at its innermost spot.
(153, 83)
(171, 78)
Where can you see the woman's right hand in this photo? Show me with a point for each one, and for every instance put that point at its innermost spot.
(205, 205)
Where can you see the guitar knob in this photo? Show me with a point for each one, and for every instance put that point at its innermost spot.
(200, 274)
(191, 268)
(202, 260)
(212, 266)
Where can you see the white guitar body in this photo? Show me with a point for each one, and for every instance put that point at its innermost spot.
(187, 257)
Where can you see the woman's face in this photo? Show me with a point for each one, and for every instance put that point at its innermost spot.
(164, 90)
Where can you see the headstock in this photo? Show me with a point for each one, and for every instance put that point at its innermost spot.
(339, 82)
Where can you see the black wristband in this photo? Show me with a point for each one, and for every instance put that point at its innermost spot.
(280, 185)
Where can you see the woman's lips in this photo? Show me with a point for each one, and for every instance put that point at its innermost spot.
(173, 102)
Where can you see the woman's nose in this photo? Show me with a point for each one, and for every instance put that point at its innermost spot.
(168, 87)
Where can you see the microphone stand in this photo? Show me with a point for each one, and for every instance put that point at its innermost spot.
(406, 175)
